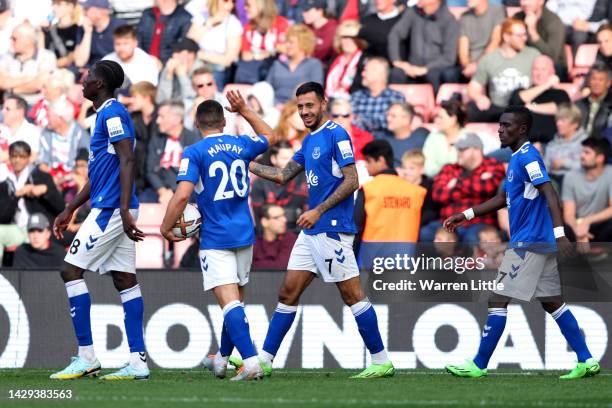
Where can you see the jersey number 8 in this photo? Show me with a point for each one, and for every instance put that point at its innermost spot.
(221, 193)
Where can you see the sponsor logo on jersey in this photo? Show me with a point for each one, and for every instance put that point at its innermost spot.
(183, 167)
(534, 170)
(345, 149)
(316, 152)
(510, 175)
(312, 179)
(114, 126)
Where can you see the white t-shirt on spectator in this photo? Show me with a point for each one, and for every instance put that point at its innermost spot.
(214, 41)
(142, 67)
(27, 132)
(43, 61)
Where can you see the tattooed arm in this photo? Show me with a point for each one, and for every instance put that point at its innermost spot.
(344, 190)
(281, 176)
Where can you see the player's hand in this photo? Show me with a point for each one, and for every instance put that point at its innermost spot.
(236, 101)
(566, 251)
(61, 223)
(308, 219)
(129, 226)
(169, 235)
(451, 223)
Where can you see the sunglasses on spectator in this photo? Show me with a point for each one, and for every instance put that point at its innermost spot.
(340, 115)
(199, 86)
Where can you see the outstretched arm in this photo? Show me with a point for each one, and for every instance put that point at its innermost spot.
(239, 106)
(344, 190)
(496, 203)
(281, 176)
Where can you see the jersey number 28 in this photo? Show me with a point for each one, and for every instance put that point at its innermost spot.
(221, 193)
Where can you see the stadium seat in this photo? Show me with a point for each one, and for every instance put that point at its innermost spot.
(457, 11)
(150, 216)
(447, 91)
(420, 96)
(488, 134)
(585, 57)
(243, 88)
(150, 252)
(179, 250)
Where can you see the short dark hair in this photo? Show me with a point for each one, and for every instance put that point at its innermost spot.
(20, 145)
(209, 115)
(600, 66)
(600, 146)
(265, 209)
(307, 87)
(522, 113)
(457, 109)
(379, 148)
(124, 31)
(110, 73)
(278, 146)
(19, 101)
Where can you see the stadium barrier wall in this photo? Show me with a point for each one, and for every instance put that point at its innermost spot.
(183, 324)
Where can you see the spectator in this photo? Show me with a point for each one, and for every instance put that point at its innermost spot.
(580, 18)
(165, 151)
(479, 33)
(161, 26)
(290, 126)
(41, 252)
(143, 111)
(596, 108)
(205, 89)
(413, 171)
(219, 38)
(542, 99)
(296, 66)
(387, 208)
(604, 39)
(175, 79)
(500, 72)
(137, 65)
(15, 127)
(262, 39)
(439, 148)
(400, 133)
(273, 247)
(95, 40)
(57, 87)
(371, 104)
(60, 36)
(61, 140)
(293, 196)
(545, 31)
(473, 180)
(490, 247)
(35, 192)
(563, 152)
(260, 99)
(344, 74)
(341, 112)
(7, 23)
(25, 69)
(74, 182)
(429, 33)
(324, 28)
(587, 194)
(446, 243)
(375, 28)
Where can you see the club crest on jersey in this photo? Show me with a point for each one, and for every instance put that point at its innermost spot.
(316, 152)
(510, 175)
(534, 170)
(312, 179)
(114, 126)
(345, 149)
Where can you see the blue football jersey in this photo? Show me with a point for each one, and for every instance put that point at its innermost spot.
(113, 123)
(530, 222)
(324, 152)
(218, 166)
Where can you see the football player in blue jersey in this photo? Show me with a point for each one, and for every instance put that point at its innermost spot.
(325, 246)
(106, 241)
(216, 168)
(529, 268)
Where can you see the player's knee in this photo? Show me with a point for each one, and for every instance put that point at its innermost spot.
(353, 296)
(551, 306)
(70, 273)
(288, 296)
(123, 281)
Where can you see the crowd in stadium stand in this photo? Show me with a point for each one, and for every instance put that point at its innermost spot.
(429, 77)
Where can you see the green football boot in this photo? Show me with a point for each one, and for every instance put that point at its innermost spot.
(467, 369)
(377, 371)
(589, 368)
(237, 363)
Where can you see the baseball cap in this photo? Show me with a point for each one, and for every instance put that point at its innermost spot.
(38, 221)
(185, 44)
(310, 4)
(95, 3)
(469, 140)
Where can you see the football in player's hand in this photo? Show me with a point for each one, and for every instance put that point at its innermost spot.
(189, 222)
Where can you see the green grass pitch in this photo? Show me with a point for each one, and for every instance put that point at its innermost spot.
(317, 388)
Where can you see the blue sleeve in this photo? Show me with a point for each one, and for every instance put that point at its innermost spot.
(189, 170)
(254, 146)
(534, 167)
(298, 157)
(343, 148)
(116, 127)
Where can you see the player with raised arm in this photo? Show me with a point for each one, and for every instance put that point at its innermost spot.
(216, 168)
(529, 268)
(106, 241)
(325, 247)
